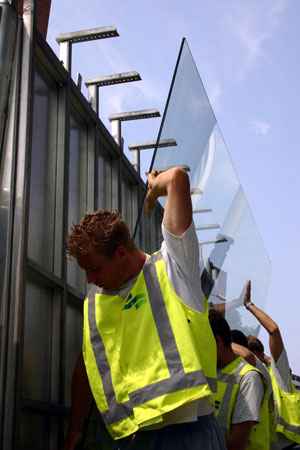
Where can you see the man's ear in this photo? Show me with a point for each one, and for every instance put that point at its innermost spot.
(121, 251)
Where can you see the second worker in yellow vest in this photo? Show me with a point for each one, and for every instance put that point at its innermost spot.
(241, 404)
(286, 399)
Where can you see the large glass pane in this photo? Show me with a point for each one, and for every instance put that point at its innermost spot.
(189, 119)
(77, 191)
(228, 235)
(42, 180)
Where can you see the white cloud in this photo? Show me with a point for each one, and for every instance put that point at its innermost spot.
(278, 8)
(260, 127)
(254, 24)
(131, 95)
(115, 60)
(115, 103)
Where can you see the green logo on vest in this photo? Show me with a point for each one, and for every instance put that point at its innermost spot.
(134, 301)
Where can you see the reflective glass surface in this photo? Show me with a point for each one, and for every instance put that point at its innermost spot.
(227, 232)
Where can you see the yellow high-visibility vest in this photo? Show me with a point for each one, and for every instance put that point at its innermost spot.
(287, 410)
(225, 401)
(148, 354)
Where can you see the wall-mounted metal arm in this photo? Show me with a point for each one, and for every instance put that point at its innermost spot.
(91, 34)
(216, 241)
(196, 191)
(65, 41)
(116, 78)
(117, 119)
(213, 226)
(201, 211)
(137, 148)
(108, 80)
(181, 166)
(135, 115)
(152, 144)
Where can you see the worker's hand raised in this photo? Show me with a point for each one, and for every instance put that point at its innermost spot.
(247, 296)
(155, 189)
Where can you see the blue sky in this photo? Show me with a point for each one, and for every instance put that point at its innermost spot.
(247, 53)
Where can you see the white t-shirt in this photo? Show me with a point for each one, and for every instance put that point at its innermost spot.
(265, 373)
(281, 369)
(184, 266)
(249, 399)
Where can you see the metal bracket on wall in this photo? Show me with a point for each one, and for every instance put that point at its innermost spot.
(66, 40)
(108, 80)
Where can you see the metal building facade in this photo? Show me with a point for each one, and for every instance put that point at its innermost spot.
(57, 162)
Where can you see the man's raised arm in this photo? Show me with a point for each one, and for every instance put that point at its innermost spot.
(275, 339)
(174, 184)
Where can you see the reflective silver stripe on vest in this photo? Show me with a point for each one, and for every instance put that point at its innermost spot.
(159, 311)
(213, 384)
(223, 413)
(287, 426)
(117, 411)
(178, 378)
(231, 380)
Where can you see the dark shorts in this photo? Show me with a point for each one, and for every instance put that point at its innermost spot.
(204, 434)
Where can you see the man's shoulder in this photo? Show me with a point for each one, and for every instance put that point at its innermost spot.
(184, 250)
(251, 378)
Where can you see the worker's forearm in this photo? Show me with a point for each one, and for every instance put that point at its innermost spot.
(265, 320)
(244, 352)
(239, 435)
(237, 442)
(178, 208)
(162, 183)
(275, 340)
(174, 184)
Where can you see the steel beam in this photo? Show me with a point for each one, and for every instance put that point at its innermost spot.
(213, 226)
(66, 40)
(135, 115)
